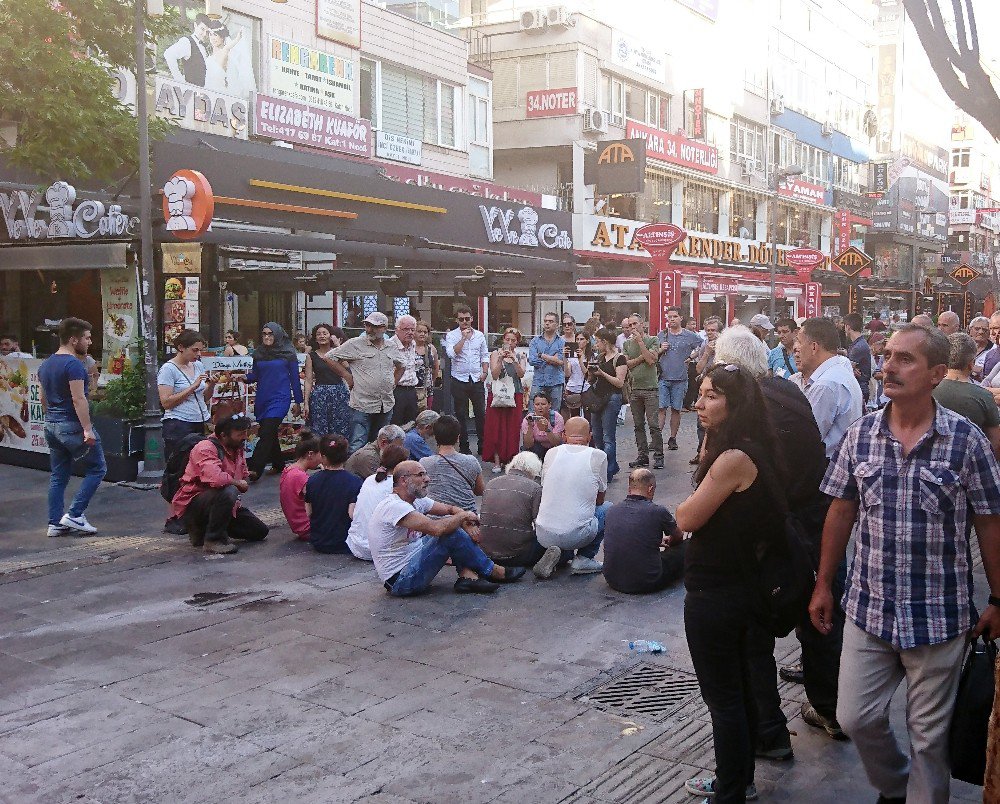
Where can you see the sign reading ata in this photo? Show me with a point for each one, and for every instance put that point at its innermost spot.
(500, 228)
(90, 219)
(551, 102)
(674, 148)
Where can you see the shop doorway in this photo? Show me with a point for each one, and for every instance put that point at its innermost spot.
(276, 306)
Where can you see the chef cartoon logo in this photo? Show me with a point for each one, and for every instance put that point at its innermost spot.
(188, 204)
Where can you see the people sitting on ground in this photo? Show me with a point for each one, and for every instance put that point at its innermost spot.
(374, 489)
(330, 495)
(364, 462)
(455, 478)
(409, 548)
(571, 513)
(207, 500)
(416, 439)
(643, 547)
(542, 429)
(292, 486)
(510, 505)
(959, 393)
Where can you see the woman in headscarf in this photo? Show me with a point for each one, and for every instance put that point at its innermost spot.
(276, 372)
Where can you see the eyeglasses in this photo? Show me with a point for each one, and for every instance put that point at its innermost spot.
(415, 474)
(465, 318)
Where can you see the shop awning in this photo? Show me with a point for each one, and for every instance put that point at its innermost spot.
(74, 256)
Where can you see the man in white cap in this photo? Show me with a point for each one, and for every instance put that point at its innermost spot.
(761, 326)
(373, 367)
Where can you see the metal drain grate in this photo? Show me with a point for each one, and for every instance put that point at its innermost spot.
(647, 690)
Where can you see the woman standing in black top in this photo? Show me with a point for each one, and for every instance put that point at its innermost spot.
(732, 508)
(326, 394)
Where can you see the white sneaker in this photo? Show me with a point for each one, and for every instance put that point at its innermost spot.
(581, 565)
(77, 523)
(58, 530)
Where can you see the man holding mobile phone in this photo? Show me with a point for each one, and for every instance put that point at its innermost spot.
(547, 355)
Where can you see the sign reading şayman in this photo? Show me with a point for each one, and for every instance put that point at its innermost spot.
(311, 76)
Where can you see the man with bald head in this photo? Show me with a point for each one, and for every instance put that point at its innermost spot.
(571, 513)
(638, 537)
(409, 548)
(949, 322)
(922, 320)
(405, 408)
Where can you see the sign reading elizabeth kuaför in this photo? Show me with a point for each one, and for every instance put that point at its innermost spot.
(398, 148)
(298, 123)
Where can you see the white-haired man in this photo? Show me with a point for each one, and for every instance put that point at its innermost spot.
(365, 461)
(510, 505)
(405, 408)
(979, 331)
(416, 439)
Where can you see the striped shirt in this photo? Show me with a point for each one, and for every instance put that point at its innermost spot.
(910, 581)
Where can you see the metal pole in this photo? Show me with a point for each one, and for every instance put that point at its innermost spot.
(153, 459)
(772, 225)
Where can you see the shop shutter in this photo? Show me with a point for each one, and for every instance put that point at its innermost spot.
(589, 79)
(505, 94)
(531, 75)
(394, 107)
(562, 70)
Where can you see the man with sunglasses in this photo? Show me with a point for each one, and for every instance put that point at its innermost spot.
(409, 548)
(470, 358)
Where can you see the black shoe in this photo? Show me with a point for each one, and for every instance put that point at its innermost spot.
(511, 574)
(479, 586)
(793, 673)
(778, 748)
(638, 462)
(672, 443)
(695, 460)
(886, 800)
(174, 526)
(253, 477)
(658, 463)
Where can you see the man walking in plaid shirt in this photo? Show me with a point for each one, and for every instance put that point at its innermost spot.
(905, 481)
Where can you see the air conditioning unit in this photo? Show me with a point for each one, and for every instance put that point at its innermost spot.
(777, 105)
(595, 120)
(747, 167)
(826, 129)
(534, 20)
(559, 17)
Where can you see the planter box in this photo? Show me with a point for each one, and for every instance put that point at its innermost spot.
(120, 436)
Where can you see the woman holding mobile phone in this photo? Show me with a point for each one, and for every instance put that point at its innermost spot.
(501, 428)
(575, 365)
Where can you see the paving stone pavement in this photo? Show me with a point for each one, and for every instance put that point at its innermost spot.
(136, 669)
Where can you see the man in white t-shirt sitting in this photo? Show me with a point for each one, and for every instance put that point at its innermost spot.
(571, 514)
(409, 548)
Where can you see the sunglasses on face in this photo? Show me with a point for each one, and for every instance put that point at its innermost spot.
(465, 318)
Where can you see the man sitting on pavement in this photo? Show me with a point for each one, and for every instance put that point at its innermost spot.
(207, 500)
(571, 513)
(638, 538)
(543, 429)
(409, 548)
(510, 505)
(364, 462)
(416, 439)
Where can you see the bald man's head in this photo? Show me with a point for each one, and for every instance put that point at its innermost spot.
(922, 321)
(577, 431)
(949, 322)
(642, 482)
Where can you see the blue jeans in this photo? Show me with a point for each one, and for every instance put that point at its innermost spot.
(65, 440)
(672, 393)
(592, 548)
(365, 427)
(605, 426)
(553, 392)
(431, 556)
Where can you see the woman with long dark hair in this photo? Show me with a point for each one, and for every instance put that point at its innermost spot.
(575, 366)
(607, 376)
(326, 393)
(737, 503)
(276, 372)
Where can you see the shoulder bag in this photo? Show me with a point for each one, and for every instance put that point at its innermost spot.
(207, 422)
(459, 472)
(503, 391)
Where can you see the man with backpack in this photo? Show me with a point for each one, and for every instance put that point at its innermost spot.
(207, 499)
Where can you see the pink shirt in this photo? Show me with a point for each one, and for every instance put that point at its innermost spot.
(292, 496)
(205, 471)
(541, 435)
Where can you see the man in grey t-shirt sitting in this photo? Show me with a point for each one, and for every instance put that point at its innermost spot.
(510, 505)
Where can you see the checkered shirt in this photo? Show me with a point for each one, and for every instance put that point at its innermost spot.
(910, 581)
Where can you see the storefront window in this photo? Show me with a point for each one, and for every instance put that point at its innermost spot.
(701, 208)
(798, 227)
(893, 261)
(743, 216)
(657, 198)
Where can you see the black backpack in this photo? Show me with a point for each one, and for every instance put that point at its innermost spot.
(178, 462)
(781, 572)
(799, 441)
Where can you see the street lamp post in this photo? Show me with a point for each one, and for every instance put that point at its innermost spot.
(153, 458)
(779, 176)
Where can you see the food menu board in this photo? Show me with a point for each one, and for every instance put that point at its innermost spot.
(22, 421)
(180, 307)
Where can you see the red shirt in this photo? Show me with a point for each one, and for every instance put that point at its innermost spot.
(293, 501)
(205, 471)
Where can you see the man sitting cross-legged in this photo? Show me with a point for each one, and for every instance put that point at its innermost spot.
(409, 548)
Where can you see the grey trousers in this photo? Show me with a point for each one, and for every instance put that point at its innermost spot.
(870, 672)
(644, 403)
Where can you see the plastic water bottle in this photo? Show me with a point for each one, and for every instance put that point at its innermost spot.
(645, 646)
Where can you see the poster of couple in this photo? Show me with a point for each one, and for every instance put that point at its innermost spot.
(219, 55)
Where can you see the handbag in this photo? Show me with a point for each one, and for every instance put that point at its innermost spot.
(503, 392)
(593, 401)
(970, 722)
(573, 401)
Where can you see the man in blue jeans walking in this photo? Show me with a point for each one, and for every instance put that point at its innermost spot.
(409, 548)
(68, 430)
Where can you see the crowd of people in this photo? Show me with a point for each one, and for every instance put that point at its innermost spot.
(887, 433)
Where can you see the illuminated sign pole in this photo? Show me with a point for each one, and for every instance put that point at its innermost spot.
(852, 261)
(965, 274)
(660, 240)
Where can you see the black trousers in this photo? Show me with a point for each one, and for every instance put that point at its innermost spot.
(267, 449)
(462, 393)
(209, 518)
(404, 410)
(717, 625)
(174, 431)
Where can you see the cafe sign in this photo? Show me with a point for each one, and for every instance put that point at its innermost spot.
(88, 220)
(522, 228)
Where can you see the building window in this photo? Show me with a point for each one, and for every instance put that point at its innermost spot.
(743, 216)
(782, 149)
(635, 103)
(613, 98)
(369, 92)
(701, 208)
(657, 198)
(449, 114)
(479, 127)
(415, 105)
(746, 143)
(960, 157)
